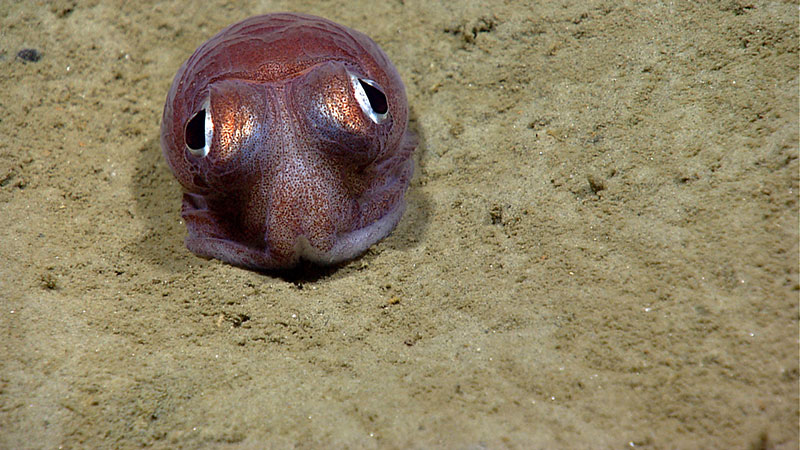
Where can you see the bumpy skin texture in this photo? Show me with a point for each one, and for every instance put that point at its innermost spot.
(295, 167)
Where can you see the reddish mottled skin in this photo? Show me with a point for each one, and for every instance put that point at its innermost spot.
(295, 169)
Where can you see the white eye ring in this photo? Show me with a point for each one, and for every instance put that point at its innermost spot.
(191, 131)
(366, 102)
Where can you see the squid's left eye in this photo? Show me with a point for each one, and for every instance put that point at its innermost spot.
(370, 98)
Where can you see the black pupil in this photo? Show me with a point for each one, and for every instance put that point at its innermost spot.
(195, 135)
(376, 98)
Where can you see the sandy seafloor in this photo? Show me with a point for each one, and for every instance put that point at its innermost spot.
(600, 248)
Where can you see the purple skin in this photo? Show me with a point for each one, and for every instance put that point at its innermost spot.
(288, 133)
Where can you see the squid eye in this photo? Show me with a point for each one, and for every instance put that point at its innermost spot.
(199, 132)
(370, 98)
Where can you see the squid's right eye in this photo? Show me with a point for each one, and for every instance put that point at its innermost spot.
(199, 132)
